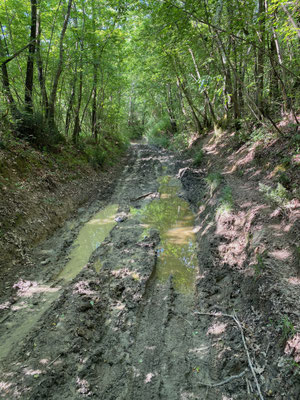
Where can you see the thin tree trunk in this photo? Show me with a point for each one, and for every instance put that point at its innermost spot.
(70, 104)
(40, 67)
(5, 81)
(170, 108)
(30, 60)
(204, 91)
(260, 56)
(77, 126)
(53, 94)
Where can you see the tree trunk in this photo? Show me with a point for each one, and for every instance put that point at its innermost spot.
(53, 94)
(5, 81)
(40, 67)
(30, 59)
(170, 108)
(77, 126)
(260, 56)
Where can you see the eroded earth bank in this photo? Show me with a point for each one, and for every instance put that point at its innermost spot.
(167, 305)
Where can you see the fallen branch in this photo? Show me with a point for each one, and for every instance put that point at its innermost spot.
(234, 317)
(227, 380)
(55, 359)
(142, 196)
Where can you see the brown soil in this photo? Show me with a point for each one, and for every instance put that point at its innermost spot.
(38, 193)
(120, 333)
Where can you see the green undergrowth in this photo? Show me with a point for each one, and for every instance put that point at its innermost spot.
(157, 131)
(198, 158)
(20, 160)
(225, 202)
(277, 196)
(213, 180)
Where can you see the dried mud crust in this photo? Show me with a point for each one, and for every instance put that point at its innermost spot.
(121, 334)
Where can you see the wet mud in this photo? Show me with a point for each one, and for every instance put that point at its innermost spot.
(126, 302)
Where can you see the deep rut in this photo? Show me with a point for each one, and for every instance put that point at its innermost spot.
(119, 333)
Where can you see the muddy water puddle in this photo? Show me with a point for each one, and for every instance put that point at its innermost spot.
(174, 220)
(90, 236)
(35, 298)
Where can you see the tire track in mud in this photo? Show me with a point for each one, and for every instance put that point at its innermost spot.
(120, 333)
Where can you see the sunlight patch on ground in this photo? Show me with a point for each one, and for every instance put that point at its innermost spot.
(282, 255)
(201, 351)
(29, 371)
(217, 328)
(149, 377)
(294, 281)
(29, 288)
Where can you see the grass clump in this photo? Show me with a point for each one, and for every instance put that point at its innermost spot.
(287, 328)
(278, 196)
(226, 202)
(259, 266)
(213, 180)
(198, 158)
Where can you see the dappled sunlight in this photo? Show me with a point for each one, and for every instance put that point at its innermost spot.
(292, 347)
(201, 351)
(120, 306)
(4, 386)
(83, 386)
(149, 377)
(217, 328)
(83, 288)
(282, 255)
(19, 306)
(5, 305)
(294, 280)
(44, 361)
(30, 288)
(29, 371)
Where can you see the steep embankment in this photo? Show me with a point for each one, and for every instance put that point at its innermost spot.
(160, 313)
(39, 191)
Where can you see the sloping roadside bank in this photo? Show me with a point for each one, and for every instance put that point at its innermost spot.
(249, 258)
(117, 332)
(39, 192)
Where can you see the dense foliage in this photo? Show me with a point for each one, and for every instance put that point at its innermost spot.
(109, 69)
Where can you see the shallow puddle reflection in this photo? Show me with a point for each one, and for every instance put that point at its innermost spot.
(89, 238)
(173, 218)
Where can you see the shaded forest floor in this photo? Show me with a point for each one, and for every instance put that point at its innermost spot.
(121, 333)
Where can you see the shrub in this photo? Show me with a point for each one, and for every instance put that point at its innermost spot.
(213, 180)
(278, 196)
(198, 158)
(34, 129)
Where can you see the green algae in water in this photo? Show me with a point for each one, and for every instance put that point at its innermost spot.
(88, 240)
(174, 220)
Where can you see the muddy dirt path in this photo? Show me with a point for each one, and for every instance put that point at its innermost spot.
(121, 328)
(110, 311)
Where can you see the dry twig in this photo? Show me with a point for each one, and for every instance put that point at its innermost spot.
(236, 320)
(142, 196)
(227, 380)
